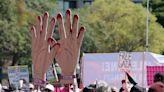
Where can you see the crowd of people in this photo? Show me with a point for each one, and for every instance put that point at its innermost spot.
(128, 85)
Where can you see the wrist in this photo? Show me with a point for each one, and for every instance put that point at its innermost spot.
(38, 81)
(67, 77)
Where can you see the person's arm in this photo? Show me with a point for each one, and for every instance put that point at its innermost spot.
(66, 50)
(42, 55)
(71, 37)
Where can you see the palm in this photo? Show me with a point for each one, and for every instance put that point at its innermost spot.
(69, 49)
(65, 51)
(70, 42)
(41, 53)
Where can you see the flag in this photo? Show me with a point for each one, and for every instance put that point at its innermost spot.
(131, 80)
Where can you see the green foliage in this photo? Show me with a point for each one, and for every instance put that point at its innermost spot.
(157, 8)
(15, 19)
(119, 25)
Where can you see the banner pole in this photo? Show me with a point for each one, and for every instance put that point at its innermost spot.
(55, 72)
(32, 70)
(143, 66)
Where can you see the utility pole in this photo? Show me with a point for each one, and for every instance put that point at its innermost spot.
(147, 25)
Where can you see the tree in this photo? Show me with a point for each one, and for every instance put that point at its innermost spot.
(15, 20)
(120, 25)
(157, 8)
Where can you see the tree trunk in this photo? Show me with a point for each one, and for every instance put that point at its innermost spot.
(15, 59)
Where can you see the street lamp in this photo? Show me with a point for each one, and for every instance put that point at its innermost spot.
(147, 25)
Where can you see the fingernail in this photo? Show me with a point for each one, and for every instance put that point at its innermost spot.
(50, 40)
(32, 28)
(56, 44)
(68, 12)
(59, 16)
(46, 14)
(53, 20)
(39, 18)
(76, 16)
(82, 29)
(71, 30)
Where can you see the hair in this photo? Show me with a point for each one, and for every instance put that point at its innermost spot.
(151, 90)
(158, 77)
(123, 81)
(88, 89)
(12, 87)
(102, 86)
(24, 81)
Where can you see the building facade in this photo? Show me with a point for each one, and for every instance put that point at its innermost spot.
(74, 4)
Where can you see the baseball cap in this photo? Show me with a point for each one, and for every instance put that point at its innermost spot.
(50, 87)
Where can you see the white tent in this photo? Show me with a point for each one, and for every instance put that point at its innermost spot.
(108, 66)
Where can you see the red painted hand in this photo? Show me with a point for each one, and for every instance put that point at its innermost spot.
(70, 41)
(42, 55)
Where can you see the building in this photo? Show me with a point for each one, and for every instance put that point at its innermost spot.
(73, 4)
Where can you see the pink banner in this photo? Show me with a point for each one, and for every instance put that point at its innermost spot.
(151, 71)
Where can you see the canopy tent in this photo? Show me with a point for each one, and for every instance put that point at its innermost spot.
(160, 58)
(109, 66)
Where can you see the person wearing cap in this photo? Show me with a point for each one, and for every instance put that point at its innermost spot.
(88, 89)
(114, 89)
(102, 86)
(31, 87)
(49, 88)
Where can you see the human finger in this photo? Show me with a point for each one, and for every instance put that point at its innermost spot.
(45, 24)
(51, 28)
(81, 35)
(68, 22)
(75, 25)
(61, 29)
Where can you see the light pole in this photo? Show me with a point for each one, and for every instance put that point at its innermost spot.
(147, 31)
(147, 25)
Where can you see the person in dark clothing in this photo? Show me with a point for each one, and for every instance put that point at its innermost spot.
(89, 89)
(135, 88)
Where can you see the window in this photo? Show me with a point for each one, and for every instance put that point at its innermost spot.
(66, 5)
(72, 4)
(88, 2)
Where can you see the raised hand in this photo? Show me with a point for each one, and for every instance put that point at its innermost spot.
(70, 41)
(42, 54)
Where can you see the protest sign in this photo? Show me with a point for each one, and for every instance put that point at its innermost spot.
(51, 74)
(15, 73)
(107, 67)
(124, 60)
